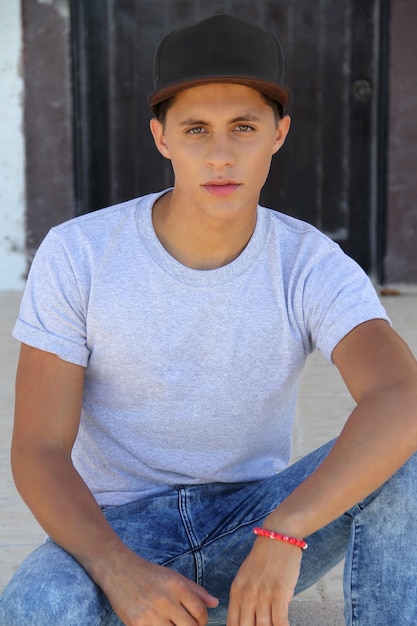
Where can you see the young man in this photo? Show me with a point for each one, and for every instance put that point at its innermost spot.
(162, 344)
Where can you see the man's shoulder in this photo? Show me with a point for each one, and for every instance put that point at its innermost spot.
(105, 218)
(296, 231)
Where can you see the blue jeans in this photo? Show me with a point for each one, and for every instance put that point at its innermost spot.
(205, 532)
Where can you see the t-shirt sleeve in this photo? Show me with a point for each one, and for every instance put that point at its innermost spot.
(52, 314)
(338, 296)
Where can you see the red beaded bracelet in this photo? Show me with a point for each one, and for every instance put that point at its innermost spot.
(270, 534)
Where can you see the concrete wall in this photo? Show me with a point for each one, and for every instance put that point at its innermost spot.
(401, 257)
(12, 159)
(48, 120)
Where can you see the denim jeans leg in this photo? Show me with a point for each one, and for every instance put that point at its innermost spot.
(51, 588)
(380, 581)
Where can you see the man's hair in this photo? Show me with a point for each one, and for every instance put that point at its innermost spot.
(162, 108)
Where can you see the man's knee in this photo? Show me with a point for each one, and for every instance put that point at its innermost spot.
(52, 588)
(47, 605)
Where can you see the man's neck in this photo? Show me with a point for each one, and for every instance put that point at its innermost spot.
(202, 244)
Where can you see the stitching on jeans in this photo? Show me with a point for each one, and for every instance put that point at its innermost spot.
(195, 547)
(109, 613)
(252, 522)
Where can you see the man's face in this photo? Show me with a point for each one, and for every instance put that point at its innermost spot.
(220, 139)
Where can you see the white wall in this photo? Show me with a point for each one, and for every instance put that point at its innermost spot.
(12, 163)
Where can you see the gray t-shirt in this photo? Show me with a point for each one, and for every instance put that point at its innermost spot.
(191, 376)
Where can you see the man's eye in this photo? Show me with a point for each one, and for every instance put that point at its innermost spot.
(197, 130)
(244, 128)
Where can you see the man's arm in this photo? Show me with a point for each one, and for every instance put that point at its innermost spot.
(379, 436)
(47, 416)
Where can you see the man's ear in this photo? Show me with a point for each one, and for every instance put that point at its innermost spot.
(282, 132)
(157, 130)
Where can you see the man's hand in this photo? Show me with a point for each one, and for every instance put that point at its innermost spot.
(145, 594)
(264, 585)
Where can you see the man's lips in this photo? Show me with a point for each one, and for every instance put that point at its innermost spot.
(221, 187)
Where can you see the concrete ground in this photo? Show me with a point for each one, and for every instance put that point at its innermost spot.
(322, 409)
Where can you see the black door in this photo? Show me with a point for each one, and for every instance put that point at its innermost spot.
(329, 172)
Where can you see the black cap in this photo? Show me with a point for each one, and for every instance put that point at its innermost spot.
(220, 49)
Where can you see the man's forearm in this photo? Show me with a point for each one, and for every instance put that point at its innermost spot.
(64, 507)
(380, 435)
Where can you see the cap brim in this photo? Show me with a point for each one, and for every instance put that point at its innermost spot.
(277, 91)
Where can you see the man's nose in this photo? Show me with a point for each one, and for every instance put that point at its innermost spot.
(220, 153)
